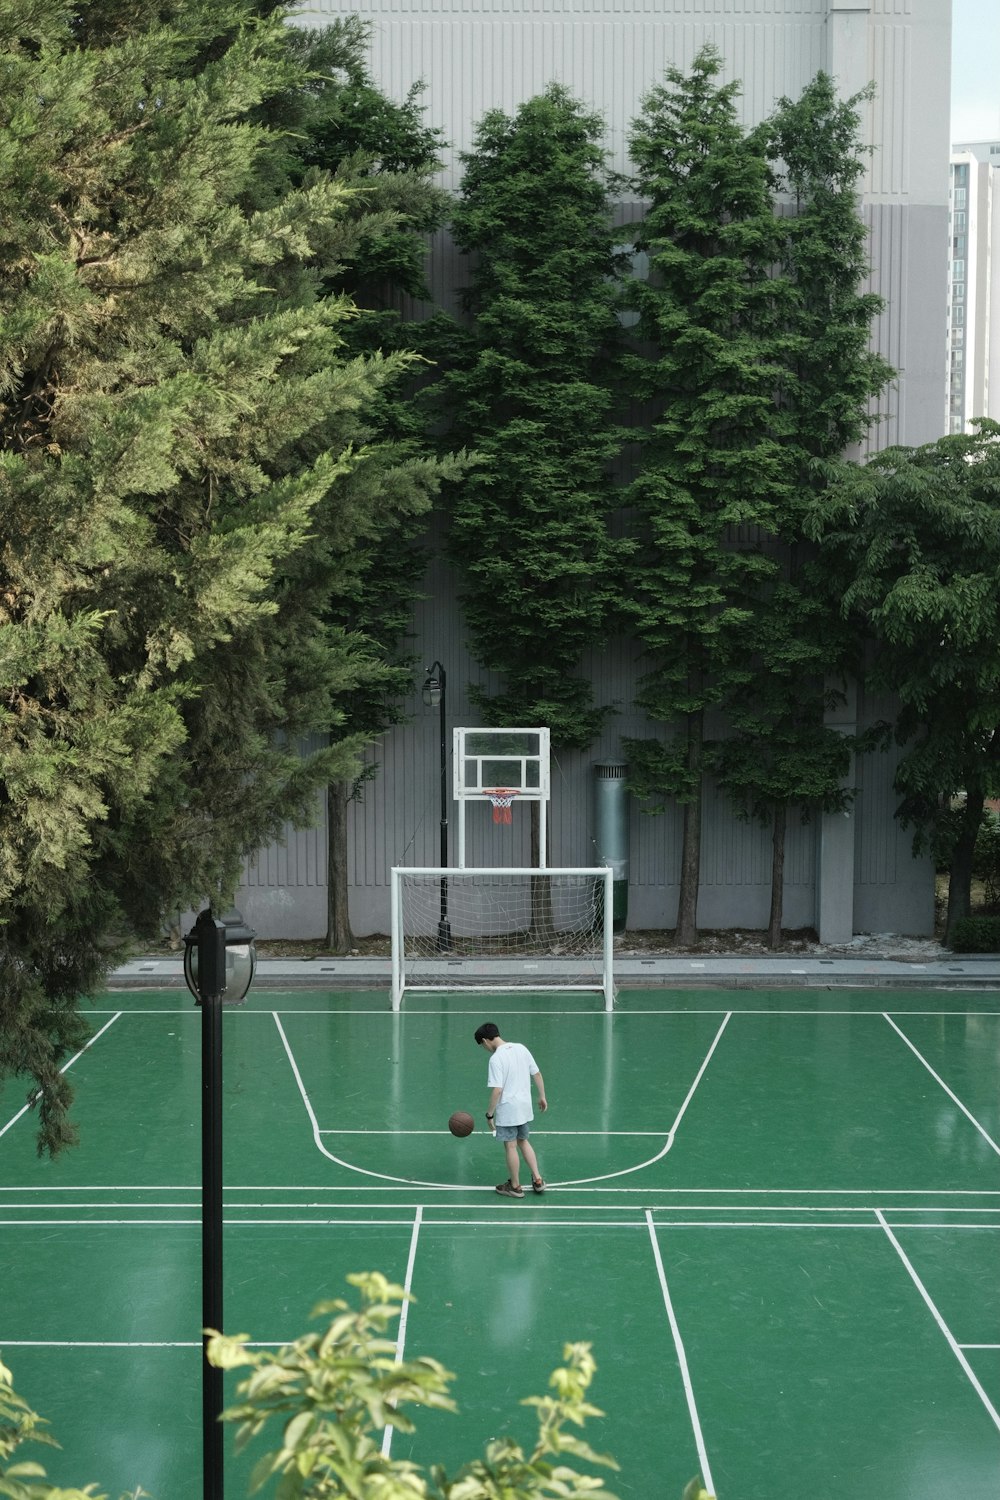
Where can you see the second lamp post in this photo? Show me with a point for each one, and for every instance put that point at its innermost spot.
(434, 695)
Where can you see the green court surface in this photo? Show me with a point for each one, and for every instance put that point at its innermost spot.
(775, 1215)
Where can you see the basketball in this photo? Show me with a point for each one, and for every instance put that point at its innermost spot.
(461, 1123)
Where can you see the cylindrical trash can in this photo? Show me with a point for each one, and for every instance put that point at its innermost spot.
(611, 832)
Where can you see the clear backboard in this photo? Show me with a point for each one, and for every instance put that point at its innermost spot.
(502, 766)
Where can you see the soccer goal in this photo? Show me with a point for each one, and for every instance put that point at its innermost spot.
(502, 930)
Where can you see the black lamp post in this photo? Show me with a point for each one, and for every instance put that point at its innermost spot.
(434, 697)
(220, 960)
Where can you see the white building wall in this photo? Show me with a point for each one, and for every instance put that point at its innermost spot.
(973, 326)
(475, 55)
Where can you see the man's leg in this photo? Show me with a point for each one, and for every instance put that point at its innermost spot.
(513, 1165)
(531, 1161)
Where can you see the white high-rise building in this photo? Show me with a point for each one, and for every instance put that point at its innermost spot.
(973, 354)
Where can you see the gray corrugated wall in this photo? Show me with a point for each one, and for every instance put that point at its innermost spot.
(479, 54)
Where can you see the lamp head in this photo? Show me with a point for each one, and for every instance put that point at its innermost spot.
(236, 963)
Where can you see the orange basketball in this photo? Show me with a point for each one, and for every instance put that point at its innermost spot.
(461, 1123)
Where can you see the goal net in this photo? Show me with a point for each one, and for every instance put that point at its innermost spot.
(497, 929)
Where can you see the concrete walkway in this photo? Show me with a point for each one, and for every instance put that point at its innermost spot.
(955, 971)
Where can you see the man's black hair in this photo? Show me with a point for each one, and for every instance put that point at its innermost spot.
(486, 1032)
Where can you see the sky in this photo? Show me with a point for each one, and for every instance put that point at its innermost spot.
(975, 70)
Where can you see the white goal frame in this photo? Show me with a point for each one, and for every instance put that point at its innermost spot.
(491, 970)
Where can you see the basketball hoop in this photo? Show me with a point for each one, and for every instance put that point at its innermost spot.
(501, 797)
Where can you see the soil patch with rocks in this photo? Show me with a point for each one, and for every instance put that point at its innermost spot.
(731, 942)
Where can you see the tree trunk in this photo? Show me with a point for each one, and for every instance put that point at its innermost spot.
(687, 902)
(339, 937)
(960, 873)
(542, 929)
(777, 875)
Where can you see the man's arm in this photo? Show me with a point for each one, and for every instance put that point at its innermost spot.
(494, 1101)
(539, 1083)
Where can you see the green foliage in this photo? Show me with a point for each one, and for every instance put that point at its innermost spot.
(986, 854)
(189, 477)
(986, 859)
(831, 376)
(531, 392)
(912, 543)
(975, 935)
(25, 1479)
(710, 461)
(756, 361)
(334, 1393)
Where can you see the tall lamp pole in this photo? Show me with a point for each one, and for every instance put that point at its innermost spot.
(220, 960)
(434, 696)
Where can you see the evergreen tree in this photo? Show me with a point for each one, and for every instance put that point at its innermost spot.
(181, 485)
(388, 156)
(796, 652)
(912, 543)
(530, 525)
(712, 479)
(777, 752)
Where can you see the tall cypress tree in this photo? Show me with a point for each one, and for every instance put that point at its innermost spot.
(530, 525)
(796, 652)
(181, 425)
(387, 154)
(712, 480)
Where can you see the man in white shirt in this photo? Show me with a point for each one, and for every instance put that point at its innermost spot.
(512, 1071)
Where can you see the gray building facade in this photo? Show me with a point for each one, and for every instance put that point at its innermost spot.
(844, 873)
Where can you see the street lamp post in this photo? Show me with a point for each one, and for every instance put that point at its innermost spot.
(434, 696)
(220, 960)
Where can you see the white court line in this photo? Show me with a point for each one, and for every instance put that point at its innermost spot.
(451, 1187)
(979, 1346)
(942, 1325)
(588, 1015)
(65, 1068)
(938, 1079)
(337, 1130)
(404, 1314)
(550, 1207)
(881, 1194)
(347, 1165)
(706, 1472)
(671, 1133)
(501, 1218)
(126, 1343)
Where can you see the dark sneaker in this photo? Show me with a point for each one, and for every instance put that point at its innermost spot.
(507, 1190)
(537, 1185)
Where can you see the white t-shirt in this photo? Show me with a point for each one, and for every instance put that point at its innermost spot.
(512, 1068)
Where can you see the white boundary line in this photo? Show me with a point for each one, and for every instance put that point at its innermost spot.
(128, 1343)
(321, 1187)
(502, 1219)
(581, 1015)
(706, 1472)
(65, 1068)
(454, 1187)
(938, 1079)
(488, 1193)
(347, 1165)
(404, 1314)
(671, 1133)
(955, 1348)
